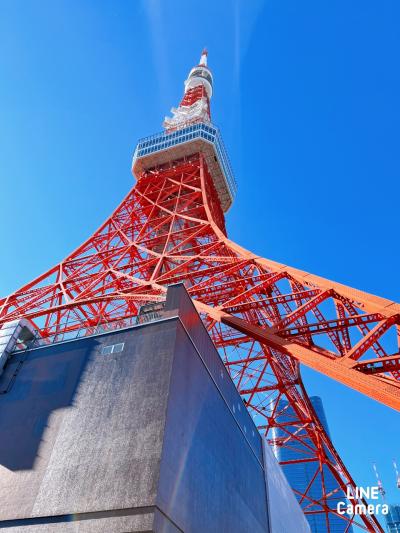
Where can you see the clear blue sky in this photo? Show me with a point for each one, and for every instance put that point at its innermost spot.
(307, 97)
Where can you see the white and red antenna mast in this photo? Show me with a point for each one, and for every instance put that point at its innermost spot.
(195, 104)
(396, 470)
(380, 485)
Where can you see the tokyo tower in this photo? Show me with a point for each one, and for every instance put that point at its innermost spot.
(265, 318)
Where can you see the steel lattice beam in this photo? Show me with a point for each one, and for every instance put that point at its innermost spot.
(171, 228)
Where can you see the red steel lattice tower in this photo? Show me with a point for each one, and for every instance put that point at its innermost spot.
(264, 317)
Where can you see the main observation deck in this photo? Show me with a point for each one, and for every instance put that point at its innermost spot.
(200, 137)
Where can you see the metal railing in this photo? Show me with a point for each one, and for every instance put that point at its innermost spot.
(208, 132)
(147, 313)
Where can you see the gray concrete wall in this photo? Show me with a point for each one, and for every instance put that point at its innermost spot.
(211, 480)
(153, 438)
(285, 513)
(82, 432)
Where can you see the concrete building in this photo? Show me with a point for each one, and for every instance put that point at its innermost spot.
(139, 429)
(301, 474)
(393, 519)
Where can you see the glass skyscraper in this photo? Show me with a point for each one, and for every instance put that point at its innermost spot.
(393, 519)
(304, 474)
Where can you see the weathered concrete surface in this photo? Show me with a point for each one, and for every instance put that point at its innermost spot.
(83, 431)
(152, 439)
(212, 476)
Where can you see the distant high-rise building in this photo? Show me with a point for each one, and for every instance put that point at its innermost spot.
(393, 519)
(305, 477)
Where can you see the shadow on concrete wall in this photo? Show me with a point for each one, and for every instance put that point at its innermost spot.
(47, 380)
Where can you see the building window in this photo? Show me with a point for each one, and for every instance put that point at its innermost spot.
(112, 348)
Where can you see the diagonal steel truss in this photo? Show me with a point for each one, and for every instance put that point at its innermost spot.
(265, 318)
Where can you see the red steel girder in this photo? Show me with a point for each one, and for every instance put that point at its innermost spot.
(330, 325)
(111, 275)
(378, 366)
(281, 299)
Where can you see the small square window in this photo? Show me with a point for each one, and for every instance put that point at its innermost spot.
(112, 348)
(106, 350)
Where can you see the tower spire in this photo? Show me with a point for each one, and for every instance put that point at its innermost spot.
(203, 57)
(195, 104)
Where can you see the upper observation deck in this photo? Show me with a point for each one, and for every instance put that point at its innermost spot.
(199, 137)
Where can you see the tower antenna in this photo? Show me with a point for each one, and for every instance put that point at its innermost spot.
(396, 470)
(380, 485)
